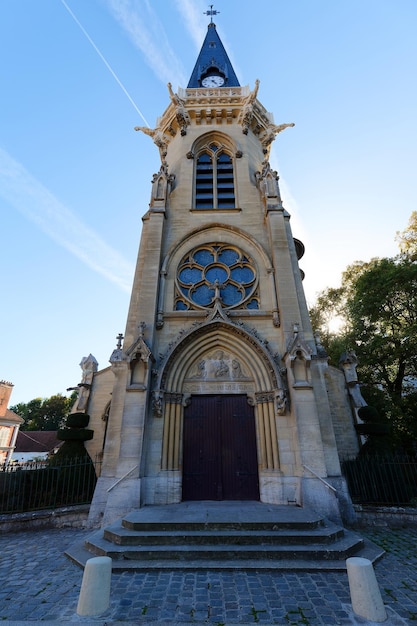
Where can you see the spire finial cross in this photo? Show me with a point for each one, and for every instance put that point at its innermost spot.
(119, 340)
(211, 12)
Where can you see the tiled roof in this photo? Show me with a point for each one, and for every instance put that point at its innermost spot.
(37, 441)
(11, 418)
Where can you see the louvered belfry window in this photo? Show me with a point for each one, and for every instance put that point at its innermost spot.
(214, 184)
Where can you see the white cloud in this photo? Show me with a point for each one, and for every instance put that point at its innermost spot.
(192, 13)
(148, 35)
(21, 190)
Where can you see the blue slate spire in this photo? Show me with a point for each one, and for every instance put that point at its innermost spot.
(213, 61)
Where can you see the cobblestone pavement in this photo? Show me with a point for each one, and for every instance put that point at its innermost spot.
(38, 583)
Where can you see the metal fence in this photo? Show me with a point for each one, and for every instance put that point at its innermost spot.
(390, 481)
(35, 486)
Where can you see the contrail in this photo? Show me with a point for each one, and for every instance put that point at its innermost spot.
(26, 194)
(104, 60)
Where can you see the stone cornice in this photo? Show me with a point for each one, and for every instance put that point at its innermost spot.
(217, 106)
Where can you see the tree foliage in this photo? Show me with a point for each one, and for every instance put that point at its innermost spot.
(383, 320)
(376, 305)
(44, 413)
(407, 239)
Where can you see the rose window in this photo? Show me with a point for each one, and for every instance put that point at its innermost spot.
(213, 273)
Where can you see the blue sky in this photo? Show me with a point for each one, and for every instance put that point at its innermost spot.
(77, 76)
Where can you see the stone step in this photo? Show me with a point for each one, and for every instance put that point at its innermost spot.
(224, 536)
(243, 516)
(341, 548)
(125, 537)
(79, 555)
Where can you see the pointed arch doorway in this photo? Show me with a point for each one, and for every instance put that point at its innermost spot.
(219, 449)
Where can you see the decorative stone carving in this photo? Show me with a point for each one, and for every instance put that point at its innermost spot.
(280, 402)
(181, 112)
(157, 403)
(186, 400)
(196, 329)
(161, 185)
(219, 365)
(160, 320)
(89, 366)
(247, 110)
(174, 398)
(118, 356)
(140, 350)
(139, 355)
(275, 319)
(268, 135)
(251, 399)
(159, 138)
(347, 363)
(267, 181)
(264, 396)
(299, 354)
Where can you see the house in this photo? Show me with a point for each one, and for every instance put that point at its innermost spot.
(34, 445)
(9, 423)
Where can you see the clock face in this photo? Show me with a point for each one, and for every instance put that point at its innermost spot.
(213, 81)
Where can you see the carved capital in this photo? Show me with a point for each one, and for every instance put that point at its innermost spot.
(264, 396)
(174, 398)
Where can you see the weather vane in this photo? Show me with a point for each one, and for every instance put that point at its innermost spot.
(211, 12)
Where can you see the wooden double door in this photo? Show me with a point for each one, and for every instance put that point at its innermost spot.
(219, 449)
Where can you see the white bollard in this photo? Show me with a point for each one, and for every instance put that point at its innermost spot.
(364, 591)
(95, 588)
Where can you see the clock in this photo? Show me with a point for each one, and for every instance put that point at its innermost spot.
(214, 80)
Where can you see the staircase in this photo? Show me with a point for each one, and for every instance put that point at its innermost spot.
(224, 536)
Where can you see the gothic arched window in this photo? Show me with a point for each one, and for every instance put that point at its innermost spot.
(214, 179)
(216, 273)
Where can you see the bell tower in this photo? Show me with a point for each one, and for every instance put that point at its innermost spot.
(217, 391)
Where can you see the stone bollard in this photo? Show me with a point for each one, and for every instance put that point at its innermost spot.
(364, 591)
(95, 588)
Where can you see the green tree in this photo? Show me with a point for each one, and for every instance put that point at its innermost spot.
(407, 239)
(383, 316)
(377, 303)
(44, 413)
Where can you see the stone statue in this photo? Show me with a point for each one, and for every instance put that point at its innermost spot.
(159, 138)
(89, 366)
(236, 369)
(221, 367)
(268, 135)
(247, 110)
(181, 112)
(347, 363)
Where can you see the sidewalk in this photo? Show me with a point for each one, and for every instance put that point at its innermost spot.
(39, 584)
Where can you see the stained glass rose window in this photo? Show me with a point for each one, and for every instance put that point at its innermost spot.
(216, 272)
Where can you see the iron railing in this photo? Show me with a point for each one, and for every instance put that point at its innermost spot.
(389, 481)
(39, 485)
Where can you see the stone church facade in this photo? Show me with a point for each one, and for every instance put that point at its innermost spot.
(217, 390)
